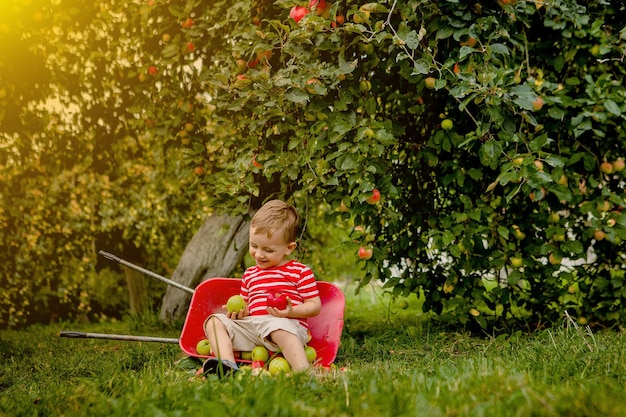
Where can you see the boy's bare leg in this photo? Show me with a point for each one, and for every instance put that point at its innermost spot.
(291, 348)
(218, 337)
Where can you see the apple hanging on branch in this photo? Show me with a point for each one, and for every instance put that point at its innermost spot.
(374, 198)
(365, 252)
(298, 12)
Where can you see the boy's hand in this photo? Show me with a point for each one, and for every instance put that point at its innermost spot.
(281, 313)
(234, 315)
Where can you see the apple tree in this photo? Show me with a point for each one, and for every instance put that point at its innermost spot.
(492, 132)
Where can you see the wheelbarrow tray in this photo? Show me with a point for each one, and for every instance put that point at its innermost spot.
(211, 295)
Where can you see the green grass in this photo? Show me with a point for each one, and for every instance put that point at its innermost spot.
(396, 363)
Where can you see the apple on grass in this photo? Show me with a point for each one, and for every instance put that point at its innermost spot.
(311, 353)
(279, 365)
(257, 364)
(235, 304)
(203, 348)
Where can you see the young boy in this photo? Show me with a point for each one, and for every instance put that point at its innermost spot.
(273, 232)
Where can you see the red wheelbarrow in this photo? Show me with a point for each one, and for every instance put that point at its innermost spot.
(209, 297)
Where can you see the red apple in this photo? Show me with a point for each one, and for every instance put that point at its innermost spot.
(375, 197)
(538, 103)
(298, 12)
(318, 5)
(599, 235)
(618, 165)
(187, 23)
(203, 348)
(257, 364)
(190, 47)
(365, 253)
(606, 167)
(153, 70)
(277, 300)
(198, 170)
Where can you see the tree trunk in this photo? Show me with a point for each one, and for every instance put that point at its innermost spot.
(215, 250)
(137, 291)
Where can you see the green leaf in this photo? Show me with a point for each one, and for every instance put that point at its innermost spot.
(490, 152)
(420, 66)
(448, 237)
(297, 95)
(612, 107)
(499, 48)
(412, 40)
(465, 51)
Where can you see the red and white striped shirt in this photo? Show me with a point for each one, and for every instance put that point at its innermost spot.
(294, 279)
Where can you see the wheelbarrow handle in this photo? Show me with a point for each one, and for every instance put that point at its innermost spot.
(81, 335)
(119, 260)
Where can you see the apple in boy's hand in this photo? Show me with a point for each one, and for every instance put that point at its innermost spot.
(311, 353)
(260, 354)
(235, 304)
(277, 300)
(203, 347)
(278, 365)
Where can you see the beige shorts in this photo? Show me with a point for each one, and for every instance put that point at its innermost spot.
(252, 331)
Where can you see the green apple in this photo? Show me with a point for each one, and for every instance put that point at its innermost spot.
(203, 348)
(235, 304)
(260, 354)
(311, 353)
(246, 355)
(516, 261)
(554, 217)
(555, 258)
(279, 365)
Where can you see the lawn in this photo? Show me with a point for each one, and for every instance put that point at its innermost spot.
(392, 362)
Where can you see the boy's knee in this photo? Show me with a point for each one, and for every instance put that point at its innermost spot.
(212, 323)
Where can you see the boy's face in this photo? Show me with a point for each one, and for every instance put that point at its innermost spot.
(269, 251)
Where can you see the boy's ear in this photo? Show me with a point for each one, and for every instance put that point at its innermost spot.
(291, 247)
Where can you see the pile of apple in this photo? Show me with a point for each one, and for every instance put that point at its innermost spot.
(259, 357)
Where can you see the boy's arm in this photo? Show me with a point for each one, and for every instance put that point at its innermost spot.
(309, 308)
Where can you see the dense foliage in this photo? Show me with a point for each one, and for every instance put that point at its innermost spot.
(493, 131)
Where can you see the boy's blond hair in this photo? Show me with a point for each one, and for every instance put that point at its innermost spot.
(277, 215)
